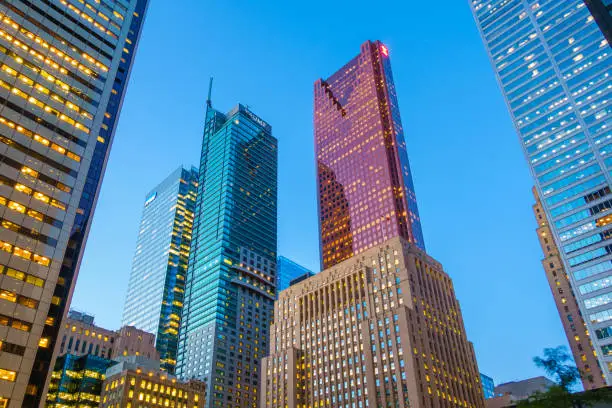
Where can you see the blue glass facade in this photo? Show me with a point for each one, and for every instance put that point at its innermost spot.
(77, 381)
(488, 386)
(231, 280)
(552, 62)
(287, 271)
(154, 301)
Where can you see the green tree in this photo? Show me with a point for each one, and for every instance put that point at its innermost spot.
(557, 363)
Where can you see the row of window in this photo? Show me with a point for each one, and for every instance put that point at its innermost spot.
(24, 253)
(28, 191)
(595, 285)
(15, 323)
(19, 299)
(15, 206)
(590, 255)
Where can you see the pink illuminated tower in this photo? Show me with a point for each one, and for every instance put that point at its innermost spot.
(365, 190)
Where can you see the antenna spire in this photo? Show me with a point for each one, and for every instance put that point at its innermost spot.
(208, 100)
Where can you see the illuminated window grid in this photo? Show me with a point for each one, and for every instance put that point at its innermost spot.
(553, 65)
(157, 281)
(51, 90)
(133, 388)
(244, 141)
(338, 335)
(363, 197)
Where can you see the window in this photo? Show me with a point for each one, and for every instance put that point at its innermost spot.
(7, 295)
(7, 375)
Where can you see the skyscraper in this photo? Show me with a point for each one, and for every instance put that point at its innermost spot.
(287, 271)
(231, 281)
(380, 329)
(552, 63)
(381, 326)
(488, 386)
(154, 301)
(565, 299)
(365, 186)
(64, 72)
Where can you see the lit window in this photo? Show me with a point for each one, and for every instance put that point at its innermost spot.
(7, 375)
(7, 295)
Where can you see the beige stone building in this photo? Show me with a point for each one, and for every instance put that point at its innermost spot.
(80, 336)
(382, 328)
(575, 328)
(132, 384)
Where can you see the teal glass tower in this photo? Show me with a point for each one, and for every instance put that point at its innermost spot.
(231, 281)
(553, 63)
(288, 272)
(154, 301)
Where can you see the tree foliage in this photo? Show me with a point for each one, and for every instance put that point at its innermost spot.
(557, 363)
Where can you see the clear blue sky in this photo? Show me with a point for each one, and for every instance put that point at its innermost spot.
(471, 180)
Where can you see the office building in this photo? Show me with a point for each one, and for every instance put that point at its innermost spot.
(552, 62)
(287, 271)
(231, 281)
(79, 332)
(84, 354)
(365, 190)
(139, 382)
(77, 381)
(573, 323)
(380, 329)
(380, 326)
(64, 69)
(80, 336)
(154, 301)
(488, 386)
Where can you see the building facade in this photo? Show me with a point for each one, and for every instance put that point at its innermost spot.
(77, 381)
(488, 386)
(231, 281)
(154, 301)
(130, 15)
(552, 62)
(80, 336)
(287, 271)
(139, 382)
(380, 329)
(365, 190)
(573, 323)
(64, 68)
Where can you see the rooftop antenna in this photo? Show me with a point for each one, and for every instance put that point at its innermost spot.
(209, 101)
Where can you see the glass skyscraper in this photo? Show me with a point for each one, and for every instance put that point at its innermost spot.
(154, 301)
(64, 67)
(488, 386)
(553, 64)
(381, 324)
(365, 186)
(231, 281)
(77, 381)
(288, 271)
